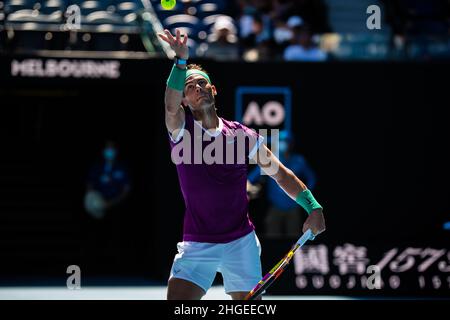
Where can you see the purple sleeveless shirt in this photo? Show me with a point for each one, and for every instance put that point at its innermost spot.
(212, 170)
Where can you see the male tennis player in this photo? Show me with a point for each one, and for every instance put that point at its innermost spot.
(218, 234)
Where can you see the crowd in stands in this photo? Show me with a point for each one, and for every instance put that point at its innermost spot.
(252, 30)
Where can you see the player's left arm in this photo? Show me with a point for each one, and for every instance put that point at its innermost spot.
(293, 187)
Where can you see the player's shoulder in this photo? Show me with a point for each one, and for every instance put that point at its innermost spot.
(237, 128)
(235, 125)
(231, 124)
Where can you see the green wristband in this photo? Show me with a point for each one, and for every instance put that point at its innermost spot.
(307, 201)
(176, 78)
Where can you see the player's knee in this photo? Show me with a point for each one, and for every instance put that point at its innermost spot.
(239, 295)
(179, 289)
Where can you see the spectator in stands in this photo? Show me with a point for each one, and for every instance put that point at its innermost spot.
(263, 31)
(282, 9)
(416, 25)
(255, 24)
(282, 35)
(283, 30)
(302, 47)
(283, 218)
(314, 14)
(108, 187)
(246, 17)
(109, 179)
(263, 36)
(223, 40)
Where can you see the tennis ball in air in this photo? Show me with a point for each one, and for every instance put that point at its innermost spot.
(168, 4)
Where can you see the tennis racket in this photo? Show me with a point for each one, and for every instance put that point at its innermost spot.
(279, 268)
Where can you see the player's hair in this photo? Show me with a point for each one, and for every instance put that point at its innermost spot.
(197, 67)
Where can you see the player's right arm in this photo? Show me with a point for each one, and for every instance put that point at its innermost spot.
(293, 187)
(174, 96)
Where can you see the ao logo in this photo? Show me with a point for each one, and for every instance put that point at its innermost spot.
(264, 106)
(271, 114)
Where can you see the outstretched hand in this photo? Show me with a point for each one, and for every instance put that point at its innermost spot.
(177, 43)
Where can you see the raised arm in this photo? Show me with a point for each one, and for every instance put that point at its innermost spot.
(175, 84)
(293, 187)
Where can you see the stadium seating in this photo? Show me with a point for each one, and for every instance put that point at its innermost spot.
(125, 25)
(194, 18)
(109, 25)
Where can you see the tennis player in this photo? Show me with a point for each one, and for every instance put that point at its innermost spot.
(218, 235)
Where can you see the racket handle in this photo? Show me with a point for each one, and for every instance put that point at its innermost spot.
(308, 235)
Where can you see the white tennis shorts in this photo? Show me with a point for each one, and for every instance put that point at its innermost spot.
(238, 261)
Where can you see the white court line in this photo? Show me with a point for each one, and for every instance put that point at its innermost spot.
(123, 293)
